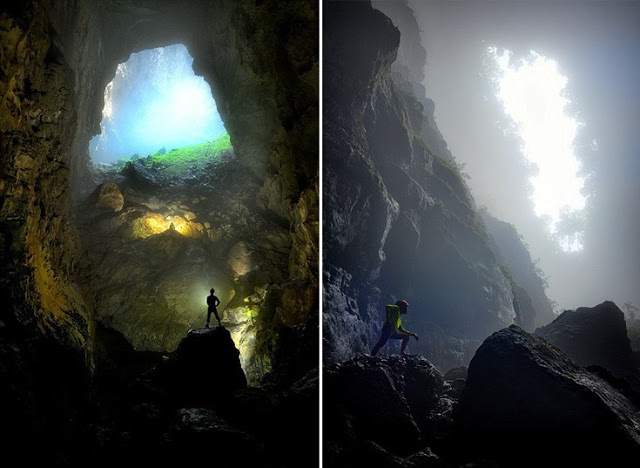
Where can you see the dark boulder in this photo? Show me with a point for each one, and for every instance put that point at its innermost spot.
(138, 177)
(592, 336)
(457, 373)
(199, 436)
(456, 378)
(523, 395)
(205, 369)
(399, 403)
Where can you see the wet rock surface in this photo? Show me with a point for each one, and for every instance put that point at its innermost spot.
(398, 405)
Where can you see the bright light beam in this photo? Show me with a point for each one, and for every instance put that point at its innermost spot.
(531, 94)
(155, 100)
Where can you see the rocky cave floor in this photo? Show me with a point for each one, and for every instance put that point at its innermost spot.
(193, 406)
(521, 402)
(565, 395)
(156, 240)
(167, 391)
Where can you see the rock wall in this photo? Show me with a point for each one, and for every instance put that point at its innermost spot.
(535, 306)
(46, 346)
(39, 243)
(156, 242)
(399, 221)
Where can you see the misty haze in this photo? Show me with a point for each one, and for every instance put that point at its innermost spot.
(554, 152)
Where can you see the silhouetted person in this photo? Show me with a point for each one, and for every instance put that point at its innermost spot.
(392, 328)
(212, 302)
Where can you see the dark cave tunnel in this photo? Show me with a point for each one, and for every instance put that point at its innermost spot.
(81, 263)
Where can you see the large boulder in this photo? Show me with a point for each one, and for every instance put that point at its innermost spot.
(524, 396)
(592, 336)
(107, 197)
(399, 403)
(205, 369)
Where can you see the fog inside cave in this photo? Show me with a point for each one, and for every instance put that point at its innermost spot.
(581, 222)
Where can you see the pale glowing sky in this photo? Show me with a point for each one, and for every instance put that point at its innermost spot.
(595, 45)
(531, 92)
(155, 100)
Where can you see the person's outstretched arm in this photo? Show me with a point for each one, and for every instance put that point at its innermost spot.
(401, 329)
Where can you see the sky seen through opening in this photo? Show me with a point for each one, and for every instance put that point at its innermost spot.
(531, 93)
(155, 100)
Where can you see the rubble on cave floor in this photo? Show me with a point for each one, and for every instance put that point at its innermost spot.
(520, 395)
(195, 407)
(157, 241)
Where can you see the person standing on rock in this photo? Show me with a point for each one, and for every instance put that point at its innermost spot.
(392, 328)
(212, 302)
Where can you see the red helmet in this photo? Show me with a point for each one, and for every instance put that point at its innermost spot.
(402, 303)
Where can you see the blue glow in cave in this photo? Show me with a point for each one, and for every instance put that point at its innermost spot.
(155, 101)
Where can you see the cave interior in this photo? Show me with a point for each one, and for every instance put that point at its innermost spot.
(107, 269)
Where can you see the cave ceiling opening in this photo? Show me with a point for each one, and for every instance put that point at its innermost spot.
(155, 103)
(533, 94)
(107, 268)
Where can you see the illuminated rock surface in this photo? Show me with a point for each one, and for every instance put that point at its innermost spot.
(535, 307)
(151, 264)
(399, 220)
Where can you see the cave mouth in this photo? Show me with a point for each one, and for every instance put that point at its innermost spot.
(156, 103)
(169, 221)
(158, 237)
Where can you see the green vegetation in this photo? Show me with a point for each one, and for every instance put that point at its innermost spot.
(181, 161)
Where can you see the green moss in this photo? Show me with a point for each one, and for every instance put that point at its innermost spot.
(180, 161)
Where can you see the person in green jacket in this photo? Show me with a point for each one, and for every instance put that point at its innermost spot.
(392, 328)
